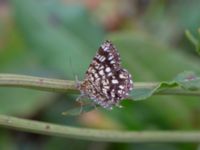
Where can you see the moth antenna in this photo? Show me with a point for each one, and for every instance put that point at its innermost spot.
(71, 65)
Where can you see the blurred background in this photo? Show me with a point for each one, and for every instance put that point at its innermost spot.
(58, 39)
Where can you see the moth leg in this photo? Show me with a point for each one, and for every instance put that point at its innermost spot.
(118, 105)
(78, 99)
(77, 82)
(94, 105)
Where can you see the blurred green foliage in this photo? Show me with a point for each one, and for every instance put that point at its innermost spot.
(56, 39)
(194, 40)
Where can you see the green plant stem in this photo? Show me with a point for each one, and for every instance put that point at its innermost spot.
(192, 39)
(57, 85)
(98, 135)
(37, 83)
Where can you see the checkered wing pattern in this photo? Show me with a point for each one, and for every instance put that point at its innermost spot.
(106, 82)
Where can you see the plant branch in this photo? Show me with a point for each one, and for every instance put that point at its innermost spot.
(37, 83)
(96, 134)
(56, 85)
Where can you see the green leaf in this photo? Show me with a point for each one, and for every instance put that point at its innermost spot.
(187, 80)
(142, 93)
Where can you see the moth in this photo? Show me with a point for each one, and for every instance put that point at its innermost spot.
(106, 82)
